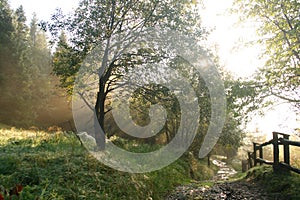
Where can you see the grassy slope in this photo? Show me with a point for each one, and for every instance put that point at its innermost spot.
(55, 166)
(285, 185)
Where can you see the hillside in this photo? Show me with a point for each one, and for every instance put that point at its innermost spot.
(53, 165)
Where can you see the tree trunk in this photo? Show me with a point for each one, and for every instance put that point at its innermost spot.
(99, 119)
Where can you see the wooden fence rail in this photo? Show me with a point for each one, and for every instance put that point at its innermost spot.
(278, 139)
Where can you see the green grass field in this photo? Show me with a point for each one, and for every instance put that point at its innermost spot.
(53, 165)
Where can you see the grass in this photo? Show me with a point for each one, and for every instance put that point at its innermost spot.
(285, 184)
(53, 165)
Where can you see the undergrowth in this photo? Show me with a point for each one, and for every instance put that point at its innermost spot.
(285, 184)
(56, 166)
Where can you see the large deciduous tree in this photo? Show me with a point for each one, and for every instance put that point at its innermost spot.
(278, 28)
(97, 22)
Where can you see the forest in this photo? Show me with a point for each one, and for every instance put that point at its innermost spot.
(122, 100)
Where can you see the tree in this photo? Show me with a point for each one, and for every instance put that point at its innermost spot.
(97, 22)
(32, 57)
(243, 98)
(6, 30)
(39, 50)
(25, 68)
(19, 73)
(278, 28)
(39, 69)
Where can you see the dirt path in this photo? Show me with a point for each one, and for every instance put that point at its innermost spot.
(239, 190)
(224, 172)
(228, 190)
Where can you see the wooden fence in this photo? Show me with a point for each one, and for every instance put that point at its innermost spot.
(278, 139)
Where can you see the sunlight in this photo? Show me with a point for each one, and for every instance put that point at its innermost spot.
(228, 39)
(149, 99)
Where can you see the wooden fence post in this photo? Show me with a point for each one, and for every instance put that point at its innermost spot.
(278, 139)
(261, 154)
(254, 153)
(275, 152)
(245, 165)
(249, 160)
(286, 150)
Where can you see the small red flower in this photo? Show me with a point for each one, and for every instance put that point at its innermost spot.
(15, 190)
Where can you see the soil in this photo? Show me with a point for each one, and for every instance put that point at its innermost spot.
(220, 191)
(222, 188)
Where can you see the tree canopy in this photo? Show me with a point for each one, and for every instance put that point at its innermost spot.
(99, 22)
(278, 27)
(25, 68)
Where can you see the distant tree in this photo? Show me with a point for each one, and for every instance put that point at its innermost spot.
(278, 27)
(64, 57)
(39, 49)
(18, 84)
(6, 29)
(39, 70)
(243, 98)
(25, 68)
(30, 61)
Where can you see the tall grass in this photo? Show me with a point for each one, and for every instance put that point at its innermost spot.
(54, 165)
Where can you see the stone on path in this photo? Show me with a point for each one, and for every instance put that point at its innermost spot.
(238, 190)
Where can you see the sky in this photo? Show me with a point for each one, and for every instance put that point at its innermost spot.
(43, 8)
(227, 36)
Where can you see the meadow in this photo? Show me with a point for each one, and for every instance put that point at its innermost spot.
(54, 165)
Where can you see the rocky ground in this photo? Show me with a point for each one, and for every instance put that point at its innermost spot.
(221, 190)
(239, 190)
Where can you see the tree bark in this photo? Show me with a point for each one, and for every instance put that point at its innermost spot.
(99, 116)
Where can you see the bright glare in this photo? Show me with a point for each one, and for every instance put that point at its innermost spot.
(228, 39)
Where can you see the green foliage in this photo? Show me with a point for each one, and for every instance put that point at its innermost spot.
(5, 22)
(63, 58)
(55, 166)
(97, 24)
(279, 29)
(25, 68)
(8, 165)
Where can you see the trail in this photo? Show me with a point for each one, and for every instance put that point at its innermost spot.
(225, 171)
(222, 189)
